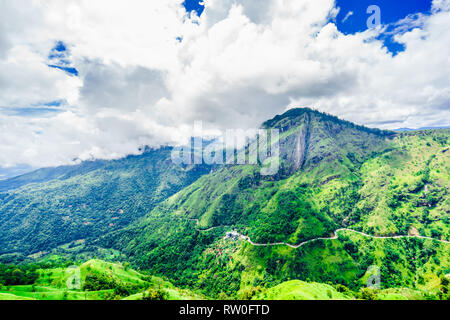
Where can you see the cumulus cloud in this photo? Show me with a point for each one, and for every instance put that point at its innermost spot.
(148, 69)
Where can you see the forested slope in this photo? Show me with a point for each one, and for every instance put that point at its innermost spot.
(85, 201)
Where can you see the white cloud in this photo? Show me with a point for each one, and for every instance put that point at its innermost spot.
(237, 65)
(125, 88)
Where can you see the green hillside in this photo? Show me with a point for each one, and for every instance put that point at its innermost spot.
(299, 290)
(100, 280)
(345, 200)
(86, 201)
(366, 180)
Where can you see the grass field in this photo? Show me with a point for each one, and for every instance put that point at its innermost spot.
(52, 284)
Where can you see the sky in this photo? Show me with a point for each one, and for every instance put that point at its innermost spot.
(84, 80)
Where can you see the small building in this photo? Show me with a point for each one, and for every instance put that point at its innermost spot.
(232, 235)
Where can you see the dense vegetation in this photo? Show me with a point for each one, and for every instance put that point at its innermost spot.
(100, 280)
(171, 221)
(17, 275)
(98, 197)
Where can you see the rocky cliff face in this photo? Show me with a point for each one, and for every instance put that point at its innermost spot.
(294, 145)
(307, 137)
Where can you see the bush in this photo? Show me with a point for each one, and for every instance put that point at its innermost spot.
(250, 293)
(154, 294)
(368, 294)
(96, 282)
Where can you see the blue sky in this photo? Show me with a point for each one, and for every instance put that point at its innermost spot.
(59, 58)
(193, 5)
(353, 15)
(391, 12)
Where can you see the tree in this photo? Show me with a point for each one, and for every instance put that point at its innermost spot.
(154, 294)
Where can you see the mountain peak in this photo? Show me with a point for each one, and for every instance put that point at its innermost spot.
(288, 115)
(308, 137)
(294, 117)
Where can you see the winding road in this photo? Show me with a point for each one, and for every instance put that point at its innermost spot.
(335, 236)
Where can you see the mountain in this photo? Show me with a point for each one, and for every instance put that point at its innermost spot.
(422, 128)
(334, 175)
(10, 172)
(310, 138)
(48, 174)
(346, 198)
(53, 206)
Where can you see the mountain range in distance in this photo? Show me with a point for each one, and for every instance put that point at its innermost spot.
(422, 128)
